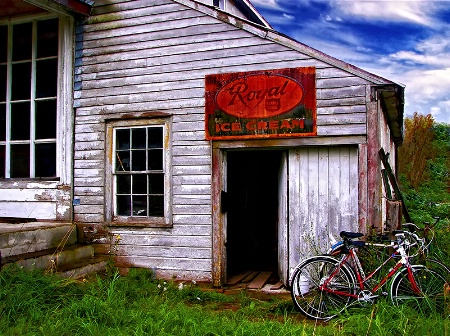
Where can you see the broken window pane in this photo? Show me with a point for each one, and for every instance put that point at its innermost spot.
(20, 160)
(139, 205)
(20, 121)
(45, 160)
(124, 205)
(122, 160)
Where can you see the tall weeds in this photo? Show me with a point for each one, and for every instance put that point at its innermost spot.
(32, 303)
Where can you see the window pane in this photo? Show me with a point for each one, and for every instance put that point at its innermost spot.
(138, 138)
(122, 139)
(123, 184)
(20, 121)
(45, 160)
(140, 184)
(156, 206)
(21, 81)
(156, 184)
(2, 122)
(138, 160)
(47, 38)
(46, 119)
(22, 41)
(122, 161)
(155, 159)
(124, 205)
(46, 78)
(20, 161)
(3, 83)
(2, 161)
(155, 137)
(3, 43)
(139, 205)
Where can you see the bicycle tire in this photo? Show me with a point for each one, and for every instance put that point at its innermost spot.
(432, 286)
(307, 296)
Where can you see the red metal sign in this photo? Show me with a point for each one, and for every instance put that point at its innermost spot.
(261, 104)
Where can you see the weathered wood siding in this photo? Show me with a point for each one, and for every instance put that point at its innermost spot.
(135, 57)
(43, 200)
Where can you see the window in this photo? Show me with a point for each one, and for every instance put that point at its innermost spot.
(219, 3)
(28, 98)
(140, 172)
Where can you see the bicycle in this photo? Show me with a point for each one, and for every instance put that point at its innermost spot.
(418, 248)
(323, 286)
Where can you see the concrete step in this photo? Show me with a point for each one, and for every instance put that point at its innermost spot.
(23, 238)
(94, 265)
(52, 258)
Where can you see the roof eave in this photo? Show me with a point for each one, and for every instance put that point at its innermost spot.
(72, 7)
(392, 103)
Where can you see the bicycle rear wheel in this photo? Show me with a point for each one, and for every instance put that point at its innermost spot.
(309, 276)
(432, 286)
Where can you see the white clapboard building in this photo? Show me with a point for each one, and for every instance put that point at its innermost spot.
(187, 136)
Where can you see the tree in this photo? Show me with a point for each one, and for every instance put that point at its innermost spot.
(417, 149)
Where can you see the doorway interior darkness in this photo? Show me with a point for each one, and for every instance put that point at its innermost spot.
(252, 210)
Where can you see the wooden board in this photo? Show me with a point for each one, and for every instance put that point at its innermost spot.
(238, 278)
(259, 281)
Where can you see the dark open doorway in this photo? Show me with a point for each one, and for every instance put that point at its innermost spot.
(252, 211)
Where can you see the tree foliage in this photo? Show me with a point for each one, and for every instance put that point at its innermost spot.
(417, 149)
(424, 168)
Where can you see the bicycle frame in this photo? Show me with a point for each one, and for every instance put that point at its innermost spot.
(362, 279)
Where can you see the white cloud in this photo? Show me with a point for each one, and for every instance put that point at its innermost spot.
(266, 3)
(419, 12)
(428, 92)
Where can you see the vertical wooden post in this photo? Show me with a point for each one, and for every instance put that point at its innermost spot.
(373, 166)
(218, 243)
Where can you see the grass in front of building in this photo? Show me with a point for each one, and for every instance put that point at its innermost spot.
(32, 303)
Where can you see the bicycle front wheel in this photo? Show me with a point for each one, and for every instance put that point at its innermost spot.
(305, 287)
(431, 285)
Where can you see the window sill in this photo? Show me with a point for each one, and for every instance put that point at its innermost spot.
(140, 223)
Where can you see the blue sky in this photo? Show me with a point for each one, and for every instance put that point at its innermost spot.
(405, 41)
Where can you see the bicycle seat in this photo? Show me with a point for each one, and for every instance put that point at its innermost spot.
(350, 235)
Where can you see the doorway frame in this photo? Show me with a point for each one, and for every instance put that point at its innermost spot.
(218, 183)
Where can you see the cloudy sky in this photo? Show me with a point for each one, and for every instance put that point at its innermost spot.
(405, 41)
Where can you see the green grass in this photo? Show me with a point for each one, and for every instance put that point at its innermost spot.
(32, 303)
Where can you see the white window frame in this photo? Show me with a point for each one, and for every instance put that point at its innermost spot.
(64, 101)
(110, 192)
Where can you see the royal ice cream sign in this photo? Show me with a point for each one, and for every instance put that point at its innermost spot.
(261, 104)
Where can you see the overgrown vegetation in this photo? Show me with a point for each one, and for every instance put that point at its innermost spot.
(424, 171)
(32, 303)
